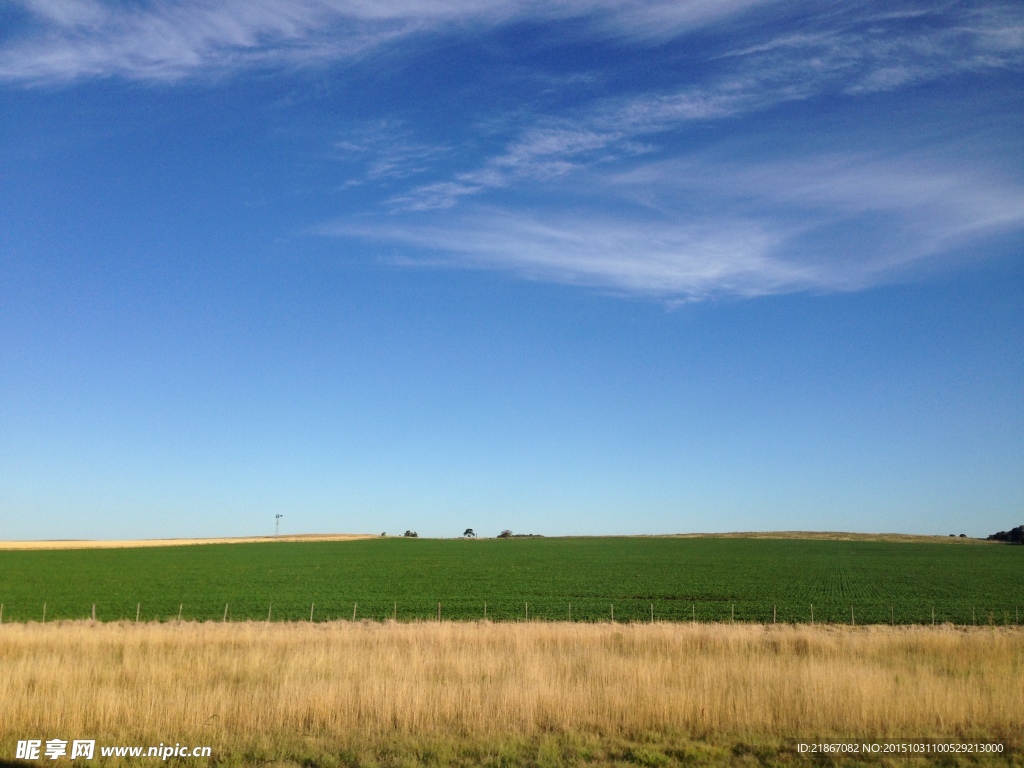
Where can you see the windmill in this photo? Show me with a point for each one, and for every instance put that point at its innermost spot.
(277, 524)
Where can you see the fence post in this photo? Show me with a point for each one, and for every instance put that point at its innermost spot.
(354, 606)
(180, 606)
(311, 611)
(812, 613)
(269, 610)
(225, 613)
(693, 607)
(933, 615)
(613, 613)
(94, 611)
(773, 614)
(1, 613)
(138, 608)
(732, 614)
(527, 610)
(570, 611)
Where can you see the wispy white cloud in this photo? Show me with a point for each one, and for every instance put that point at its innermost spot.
(553, 148)
(853, 58)
(881, 52)
(73, 39)
(862, 218)
(830, 223)
(386, 151)
(768, 236)
(542, 153)
(68, 13)
(667, 259)
(945, 201)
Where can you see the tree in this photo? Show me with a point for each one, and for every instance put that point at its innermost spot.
(469, 534)
(411, 534)
(1013, 536)
(506, 534)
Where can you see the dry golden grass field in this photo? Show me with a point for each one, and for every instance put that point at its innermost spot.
(345, 693)
(136, 543)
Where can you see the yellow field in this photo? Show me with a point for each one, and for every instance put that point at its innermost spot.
(135, 543)
(243, 688)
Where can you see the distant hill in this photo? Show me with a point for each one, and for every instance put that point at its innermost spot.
(831, 536)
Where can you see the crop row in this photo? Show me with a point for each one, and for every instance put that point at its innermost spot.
(676, 579)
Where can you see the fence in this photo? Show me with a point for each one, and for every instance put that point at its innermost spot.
(326, 608)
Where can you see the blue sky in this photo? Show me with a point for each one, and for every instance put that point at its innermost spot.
(566, 267)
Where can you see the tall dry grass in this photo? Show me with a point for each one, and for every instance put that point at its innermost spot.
(225, 683)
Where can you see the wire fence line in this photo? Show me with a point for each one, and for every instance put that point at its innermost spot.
(586, 609)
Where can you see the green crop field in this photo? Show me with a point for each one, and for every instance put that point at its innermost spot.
(678, 579)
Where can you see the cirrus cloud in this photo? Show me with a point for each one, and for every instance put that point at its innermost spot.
(68, 40)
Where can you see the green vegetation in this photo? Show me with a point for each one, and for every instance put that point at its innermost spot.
(710, 579)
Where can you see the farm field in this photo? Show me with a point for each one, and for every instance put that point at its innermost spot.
(137, 543)
(508, 694)
(707, 579)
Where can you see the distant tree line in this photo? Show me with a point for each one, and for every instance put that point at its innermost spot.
(1013, 536)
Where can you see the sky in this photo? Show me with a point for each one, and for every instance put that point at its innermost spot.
(563, 267)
